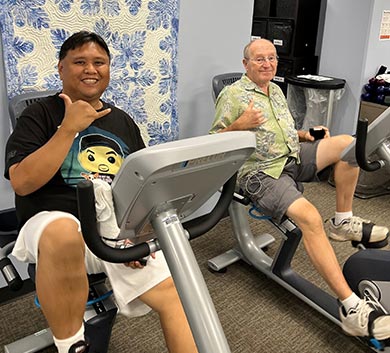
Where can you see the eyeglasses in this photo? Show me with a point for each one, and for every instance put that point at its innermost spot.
(262, 60)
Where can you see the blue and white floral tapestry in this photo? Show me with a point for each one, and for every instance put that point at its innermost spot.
(142, 36)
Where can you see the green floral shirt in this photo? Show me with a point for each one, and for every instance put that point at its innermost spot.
(276, 139)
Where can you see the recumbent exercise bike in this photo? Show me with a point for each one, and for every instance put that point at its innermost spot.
(366, 271)
(160, 185)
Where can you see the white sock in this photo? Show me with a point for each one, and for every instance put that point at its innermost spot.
(340, 216)
(63, 345)
(350, 302)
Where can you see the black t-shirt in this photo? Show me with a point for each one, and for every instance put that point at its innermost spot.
(97, 152)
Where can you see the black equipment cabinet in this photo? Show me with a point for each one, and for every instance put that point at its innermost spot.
(295, 27)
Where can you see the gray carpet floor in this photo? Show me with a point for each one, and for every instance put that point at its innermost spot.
(257, 314)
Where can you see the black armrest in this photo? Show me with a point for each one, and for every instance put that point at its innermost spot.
(360, 151)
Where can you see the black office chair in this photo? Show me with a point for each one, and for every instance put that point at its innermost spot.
(18, 103)
(100, 312)
(222, 80)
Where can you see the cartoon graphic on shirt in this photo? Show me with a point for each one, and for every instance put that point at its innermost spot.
(94, 154)
(101, 155)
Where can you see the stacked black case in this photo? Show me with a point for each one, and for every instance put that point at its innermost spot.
(294, 26)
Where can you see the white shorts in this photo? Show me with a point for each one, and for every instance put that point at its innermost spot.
(127, 283)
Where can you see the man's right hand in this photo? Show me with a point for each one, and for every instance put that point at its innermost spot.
(39, 167)
(79, 115)
(251, 118)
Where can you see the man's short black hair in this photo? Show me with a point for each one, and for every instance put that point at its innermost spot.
(78, 39)
(97, 140)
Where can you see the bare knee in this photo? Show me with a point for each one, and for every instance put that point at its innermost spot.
(329, 150)
(340, 143)
(343, 140)
(61, 240)
(313, 224)
(306, 216)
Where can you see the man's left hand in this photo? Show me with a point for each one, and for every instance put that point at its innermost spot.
(305, 135)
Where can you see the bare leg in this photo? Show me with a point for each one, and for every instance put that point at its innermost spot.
(318, 247)
(165, 300)
(61, 279)
(345, 176)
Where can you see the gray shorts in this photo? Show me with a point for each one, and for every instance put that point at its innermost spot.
(274, 196)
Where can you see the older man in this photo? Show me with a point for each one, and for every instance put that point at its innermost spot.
(284, 157)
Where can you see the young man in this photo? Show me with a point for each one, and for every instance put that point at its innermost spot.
(272, 175)
(56, 143)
